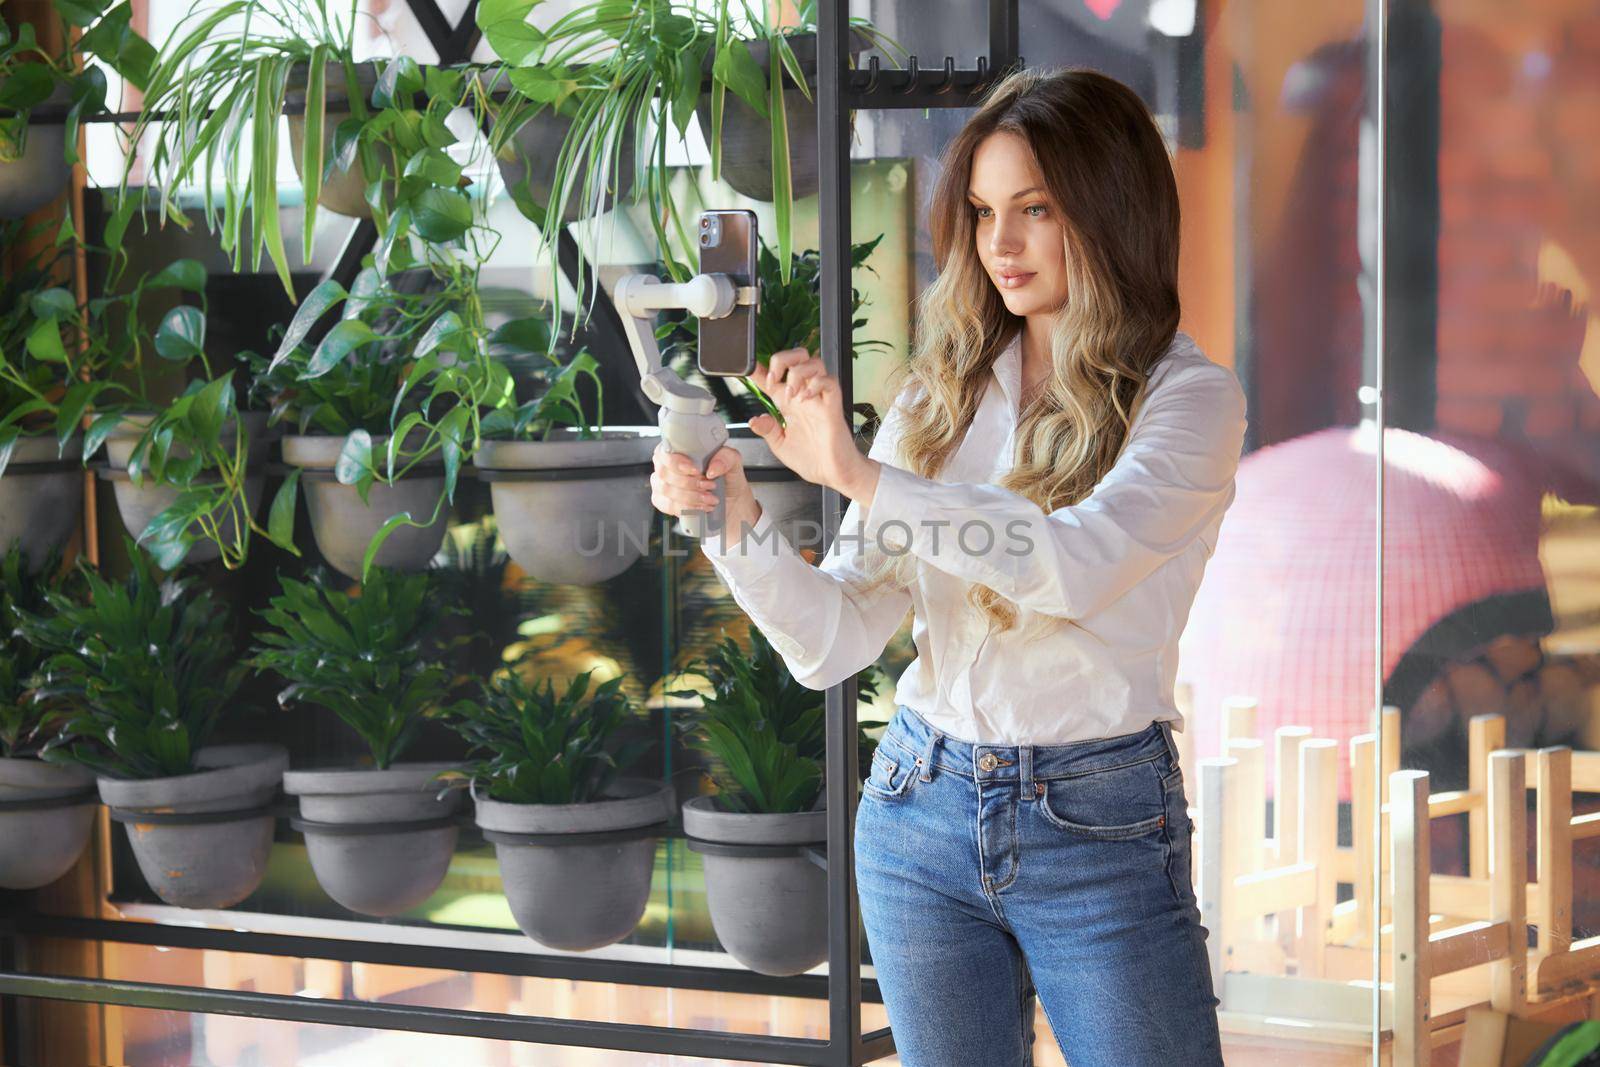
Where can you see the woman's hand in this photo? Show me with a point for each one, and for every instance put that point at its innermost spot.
(816, 442)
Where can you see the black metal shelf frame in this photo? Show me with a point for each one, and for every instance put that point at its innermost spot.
(839, 90)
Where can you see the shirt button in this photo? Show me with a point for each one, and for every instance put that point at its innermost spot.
(988, 762)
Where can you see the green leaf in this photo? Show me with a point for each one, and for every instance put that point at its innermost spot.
(44, 342)
(311, 148)
(53, 304)
(393, 523)
(346, 336)
(736, 68)
(187, 274)
(79, 13)
(212, 406)
(441, 214)
(280, 519)
(355, 458)
(114, 40)
(316, 304)
(182, 334)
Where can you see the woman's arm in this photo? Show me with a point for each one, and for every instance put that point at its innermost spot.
(825, 629)
(1174, 475)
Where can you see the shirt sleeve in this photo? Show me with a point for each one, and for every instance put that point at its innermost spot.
(817, 618)
(1175, 474)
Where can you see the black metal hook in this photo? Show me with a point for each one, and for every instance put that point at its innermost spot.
(911, 75)
(945, 84)
(983, 71)
(872, 75)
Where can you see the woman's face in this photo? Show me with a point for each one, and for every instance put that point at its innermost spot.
(1020, 239)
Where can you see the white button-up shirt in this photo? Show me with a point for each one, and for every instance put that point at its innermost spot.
(1115, 573)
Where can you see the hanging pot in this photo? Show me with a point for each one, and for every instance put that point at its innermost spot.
(747, 137)
(141, 503)
(202, 839)
(379, 841)
(570, 509)
(343, 525)
(41, 496)
(577, 876)
(534, 149)
(29, 183)
(46, 813)
(767, 896)
(344, 191)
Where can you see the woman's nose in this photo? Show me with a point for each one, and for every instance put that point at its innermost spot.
(1004, 237)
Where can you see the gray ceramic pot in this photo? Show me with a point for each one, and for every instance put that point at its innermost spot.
(747, 136)
(343, 191)
(29, 183)
(581, 894)
(769, 912)
(42, 838)
(571, 510)
(343, 525)
(534, 148)
(140, 504)
(209, 862)
(41, 496)
(380, 842)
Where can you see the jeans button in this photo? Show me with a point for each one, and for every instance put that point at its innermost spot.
(988, 762)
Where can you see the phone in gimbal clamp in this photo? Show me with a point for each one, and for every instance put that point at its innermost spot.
(727, 242)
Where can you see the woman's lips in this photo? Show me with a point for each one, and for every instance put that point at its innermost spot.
(1014, 281)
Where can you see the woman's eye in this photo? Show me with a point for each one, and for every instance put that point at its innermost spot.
(1036, 207)
(981, 211)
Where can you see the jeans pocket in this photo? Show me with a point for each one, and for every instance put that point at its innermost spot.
(888, 777)
(1109, 804)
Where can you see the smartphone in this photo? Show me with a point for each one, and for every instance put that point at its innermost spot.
(728, 246)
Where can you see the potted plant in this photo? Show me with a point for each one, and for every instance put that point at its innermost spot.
(340, 400)
(571, 497)
(612, 68)
(60, 360)
(215, 94)
(379, 838)
(764, 734)
(37, 154)
(790, 316)
(188, 474)
(569, 833)
(46, 809)
(147, 668)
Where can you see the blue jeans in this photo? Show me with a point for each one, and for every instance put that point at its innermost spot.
(989, 873)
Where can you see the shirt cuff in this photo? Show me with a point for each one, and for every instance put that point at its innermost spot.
(754, 556)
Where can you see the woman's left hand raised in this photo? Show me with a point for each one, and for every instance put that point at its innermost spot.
(816, 443)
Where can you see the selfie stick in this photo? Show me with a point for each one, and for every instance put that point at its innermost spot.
(689, 422)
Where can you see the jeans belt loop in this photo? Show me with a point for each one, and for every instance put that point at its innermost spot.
(927, 756)
(1172, 745)
(1025, 771)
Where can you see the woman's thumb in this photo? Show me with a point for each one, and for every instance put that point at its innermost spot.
(763, 424)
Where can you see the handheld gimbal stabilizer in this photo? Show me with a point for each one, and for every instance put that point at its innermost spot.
(689, 422)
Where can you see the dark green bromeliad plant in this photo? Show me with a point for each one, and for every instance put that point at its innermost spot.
(763, 730)
(27, 722)
(535, 746)
(146, 665)
(370, 657)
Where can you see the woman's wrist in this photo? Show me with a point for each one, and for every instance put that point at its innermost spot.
(739, 514)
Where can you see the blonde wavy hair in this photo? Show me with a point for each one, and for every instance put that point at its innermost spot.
(1109, 178)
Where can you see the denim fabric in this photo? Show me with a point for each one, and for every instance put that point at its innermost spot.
(989, 873)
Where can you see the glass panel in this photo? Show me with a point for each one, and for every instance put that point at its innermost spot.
(1491, 642)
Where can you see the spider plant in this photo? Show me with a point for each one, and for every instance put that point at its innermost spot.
(370, 656)
(762, 729)
(533, 745)
(213, 99)
(146, 665)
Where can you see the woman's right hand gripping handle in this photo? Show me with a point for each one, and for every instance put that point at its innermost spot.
(677, 485)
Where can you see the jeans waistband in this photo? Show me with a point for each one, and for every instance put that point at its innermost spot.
(926, 747)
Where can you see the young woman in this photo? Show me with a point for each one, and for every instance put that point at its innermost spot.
(1043, 495)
